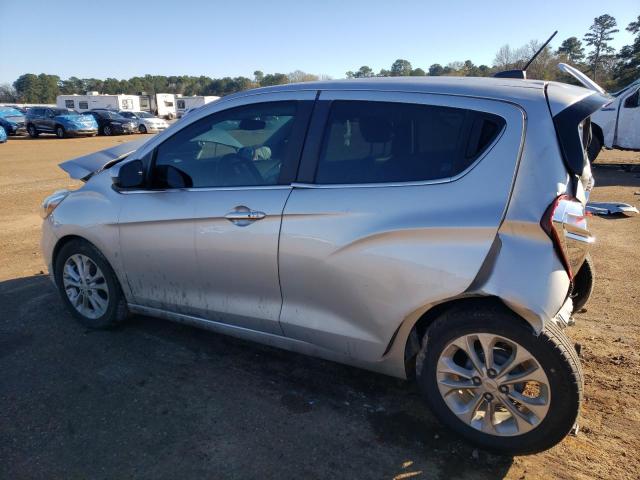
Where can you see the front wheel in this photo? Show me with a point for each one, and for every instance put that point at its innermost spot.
(60, 133)
(107, 130)
(142, 129)
(487, 376)
(89, 286)
(32, 131)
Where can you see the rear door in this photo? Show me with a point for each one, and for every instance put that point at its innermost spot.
(399, 200)
(203, 240)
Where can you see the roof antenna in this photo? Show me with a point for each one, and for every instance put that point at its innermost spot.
(522, 74)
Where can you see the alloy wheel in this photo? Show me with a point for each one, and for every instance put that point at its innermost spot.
(86, 286)
(493, 384)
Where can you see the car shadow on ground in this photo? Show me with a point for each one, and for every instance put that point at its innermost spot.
(616, 174)
(154, 399)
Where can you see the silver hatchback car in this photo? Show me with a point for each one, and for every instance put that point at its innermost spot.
(425, 228)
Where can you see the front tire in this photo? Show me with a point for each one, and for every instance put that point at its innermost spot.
(107, 130)
(142, 129)
(60, 133)
(487, 376)
(32, 131)
(88, 286)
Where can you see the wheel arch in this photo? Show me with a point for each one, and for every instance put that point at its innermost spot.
(66, 239)
(413, 341)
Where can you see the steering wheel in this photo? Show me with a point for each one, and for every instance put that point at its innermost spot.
(233, 160)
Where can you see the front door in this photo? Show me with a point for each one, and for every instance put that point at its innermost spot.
(628, 134)
(204, 239)
(48, 122)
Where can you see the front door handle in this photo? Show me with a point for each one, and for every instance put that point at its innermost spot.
(250, 215)
(243, 216)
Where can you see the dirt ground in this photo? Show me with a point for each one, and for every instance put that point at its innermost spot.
(160, 400)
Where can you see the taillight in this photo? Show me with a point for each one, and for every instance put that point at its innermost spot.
(565, 221)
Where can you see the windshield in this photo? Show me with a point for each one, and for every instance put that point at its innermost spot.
(619, 92)
(143, 115)
(112, 115)
(63, 111)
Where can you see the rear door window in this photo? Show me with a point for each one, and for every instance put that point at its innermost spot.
(382, 142)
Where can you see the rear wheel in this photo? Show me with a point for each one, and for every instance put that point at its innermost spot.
(32, 131)
(107, 130)
(88, 285)
(60, 133)
(487, 376)
(583, 284)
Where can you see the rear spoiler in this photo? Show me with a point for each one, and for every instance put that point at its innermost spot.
(567, 123)
(82, 168)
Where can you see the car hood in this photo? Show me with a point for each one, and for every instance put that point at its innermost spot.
(82, 168)
(74, 118)
(15, 119)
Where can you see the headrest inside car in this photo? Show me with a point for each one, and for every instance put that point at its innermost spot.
(375, 129)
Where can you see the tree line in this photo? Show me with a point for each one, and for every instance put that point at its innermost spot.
(601, 62)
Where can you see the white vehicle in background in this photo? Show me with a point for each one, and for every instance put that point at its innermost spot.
(161, 105)
(147, 123)
(183, 104)
(94, 101)
(617, 125)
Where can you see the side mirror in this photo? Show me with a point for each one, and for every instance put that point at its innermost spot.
(129, 175)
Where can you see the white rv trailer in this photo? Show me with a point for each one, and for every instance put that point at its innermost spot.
(162, 105)
(186, 103)
(92, 100)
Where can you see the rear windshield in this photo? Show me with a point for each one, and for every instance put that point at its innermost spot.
(378, 142)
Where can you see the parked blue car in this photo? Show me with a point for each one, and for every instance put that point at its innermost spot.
(12, 120)
(62, 122)
(3, 135)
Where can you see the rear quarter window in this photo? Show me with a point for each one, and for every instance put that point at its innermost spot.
(382, 142)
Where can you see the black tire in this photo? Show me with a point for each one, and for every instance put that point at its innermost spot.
(583, 284)
(107, 130)
(142, 129)
(553, 351)
(60, 133)
(32, 131)
(116, 311)
(593, 150)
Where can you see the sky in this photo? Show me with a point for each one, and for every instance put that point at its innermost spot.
(122, 39)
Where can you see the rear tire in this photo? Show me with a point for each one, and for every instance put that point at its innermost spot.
(107, 131)
(549, 356)
(60, 133)
(583, 284)
(88, 286)
(32, 131)
(593, 150)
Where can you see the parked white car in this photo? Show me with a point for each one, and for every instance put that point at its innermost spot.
(617, 125)
(147, 123)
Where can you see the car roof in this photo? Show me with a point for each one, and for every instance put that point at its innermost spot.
(503, 88)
